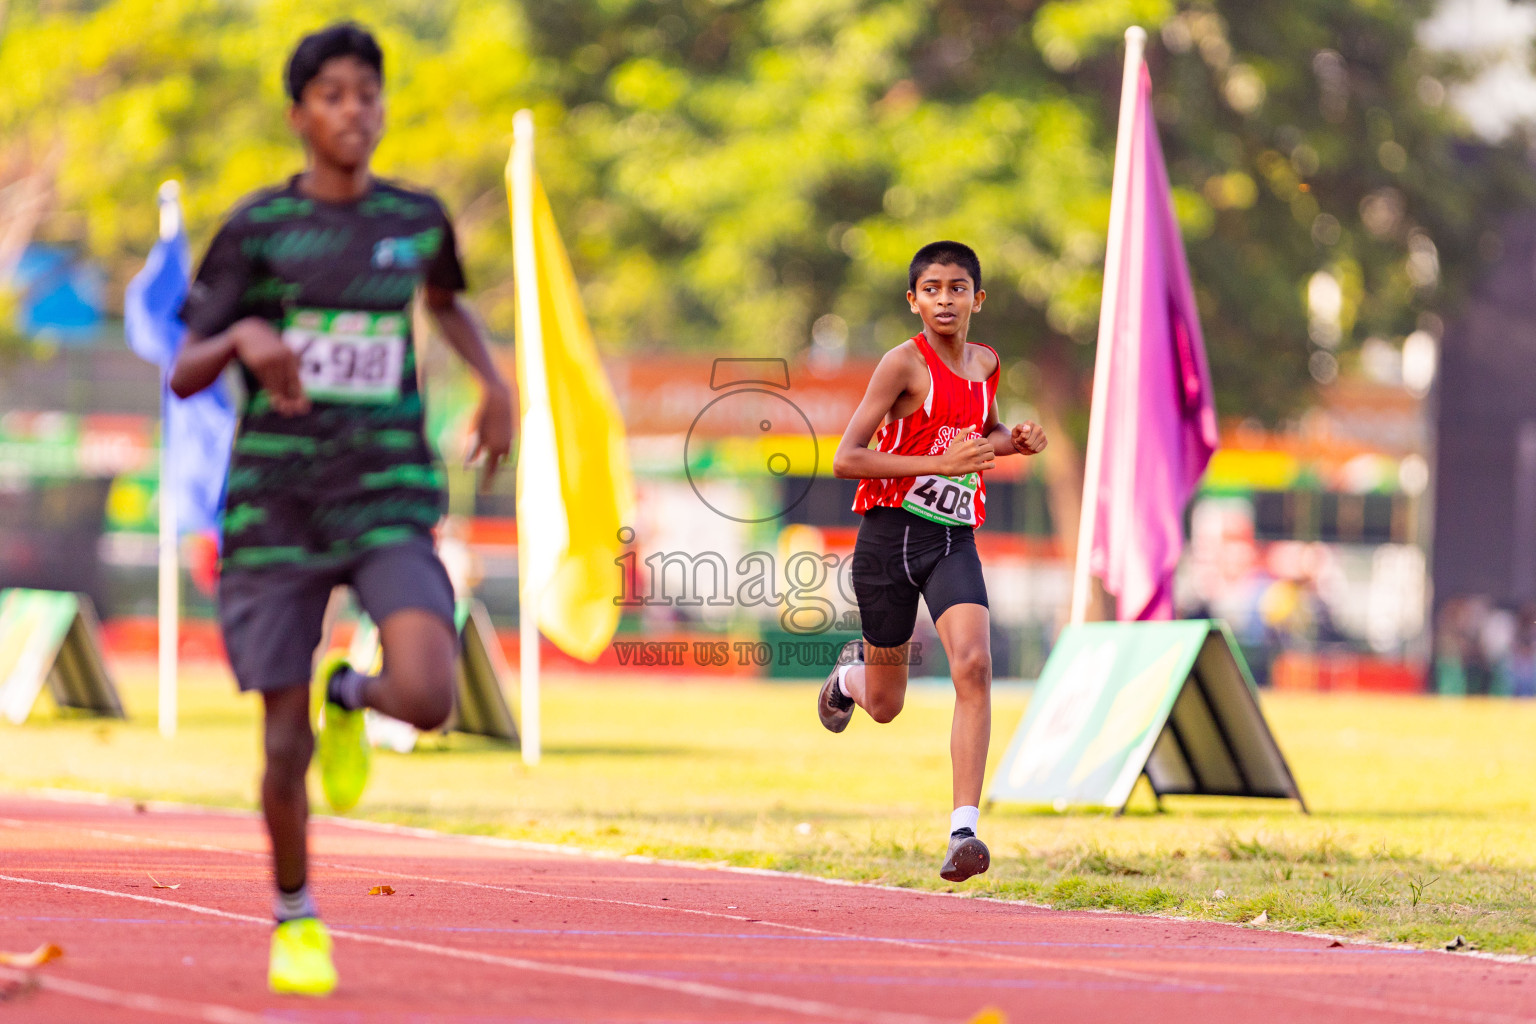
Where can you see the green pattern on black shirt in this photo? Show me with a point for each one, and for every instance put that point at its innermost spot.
(344, 477)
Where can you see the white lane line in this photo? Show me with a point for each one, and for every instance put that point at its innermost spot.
(78, 797)
(1364, 1003)
(803, 1007)
(918, 944)
(213, 1013)
(1116, 973)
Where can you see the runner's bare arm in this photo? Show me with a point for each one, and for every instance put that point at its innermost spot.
(200, 362)
(995, 433)
(493, 420)
(1027, 438)
(256, 344)
(855, 460)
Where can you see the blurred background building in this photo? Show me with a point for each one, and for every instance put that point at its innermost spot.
(1354, 183)
(1310, 542)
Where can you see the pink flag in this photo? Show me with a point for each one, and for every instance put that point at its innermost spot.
(1153, 423)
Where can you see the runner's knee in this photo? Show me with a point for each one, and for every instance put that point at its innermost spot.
(286, 736)
(432, 708)
(885, 707)
(420, 668)
(971, 668)
(425, 693)
(288, 752)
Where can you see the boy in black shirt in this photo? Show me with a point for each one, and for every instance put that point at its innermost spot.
(308, 285)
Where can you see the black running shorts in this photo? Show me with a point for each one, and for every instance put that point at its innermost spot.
(899, 556)
(272, 617)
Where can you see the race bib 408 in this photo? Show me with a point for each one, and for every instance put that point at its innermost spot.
(944, 499)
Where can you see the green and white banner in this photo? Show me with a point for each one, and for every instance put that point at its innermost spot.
(50, 637)
(1115, 700)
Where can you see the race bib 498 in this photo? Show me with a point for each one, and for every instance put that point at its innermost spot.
(944, 499)
(348, 356)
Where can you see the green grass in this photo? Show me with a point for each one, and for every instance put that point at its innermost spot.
(1422, 824)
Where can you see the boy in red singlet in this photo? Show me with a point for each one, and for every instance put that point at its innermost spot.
(921, 491)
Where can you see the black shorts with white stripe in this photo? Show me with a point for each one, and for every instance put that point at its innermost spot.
(899, 557)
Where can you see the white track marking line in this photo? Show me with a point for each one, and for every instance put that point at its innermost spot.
(1116, 973)
(1022, 961)
(102, 833)
(214, 1013)
(74, 796)
(1120, 974)
(804, 1007)
(227, 915)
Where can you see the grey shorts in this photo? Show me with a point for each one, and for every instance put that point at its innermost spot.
(272, 617)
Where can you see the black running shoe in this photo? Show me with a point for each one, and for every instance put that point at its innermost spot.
(968, 856)
(832, 706)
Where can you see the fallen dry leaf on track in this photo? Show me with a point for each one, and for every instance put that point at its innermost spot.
(381, 890)
(39, 956)
(161, 885)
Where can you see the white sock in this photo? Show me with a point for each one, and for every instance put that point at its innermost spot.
(842, 680)
(291, 905)
(964, 817)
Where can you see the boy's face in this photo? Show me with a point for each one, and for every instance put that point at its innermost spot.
(340, 113)
(945, 298)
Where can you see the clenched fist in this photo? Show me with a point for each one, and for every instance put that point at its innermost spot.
(273, 363)
(967, 455)
(1028, 438)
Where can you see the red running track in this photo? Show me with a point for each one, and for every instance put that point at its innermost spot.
(488, 931)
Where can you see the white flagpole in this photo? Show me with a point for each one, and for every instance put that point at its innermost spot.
(169, 583)
(1135, 44)
(531, 339)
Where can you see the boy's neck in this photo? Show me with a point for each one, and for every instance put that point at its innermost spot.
(332, 184)
(954, 344)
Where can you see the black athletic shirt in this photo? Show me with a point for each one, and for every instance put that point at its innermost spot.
(337, 280)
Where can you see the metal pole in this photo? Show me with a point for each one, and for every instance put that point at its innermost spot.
(1135, 44)
(169, 578)
(531, 341)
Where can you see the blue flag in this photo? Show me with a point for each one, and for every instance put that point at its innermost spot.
(197, 432)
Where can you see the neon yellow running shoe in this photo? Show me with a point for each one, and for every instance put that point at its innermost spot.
(301, 958)
(341, 746)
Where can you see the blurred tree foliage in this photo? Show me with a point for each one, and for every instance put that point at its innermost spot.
(738, 175)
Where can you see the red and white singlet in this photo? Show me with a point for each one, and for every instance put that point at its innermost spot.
(954, 405)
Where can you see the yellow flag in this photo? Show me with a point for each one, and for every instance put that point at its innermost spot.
(574, 489)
